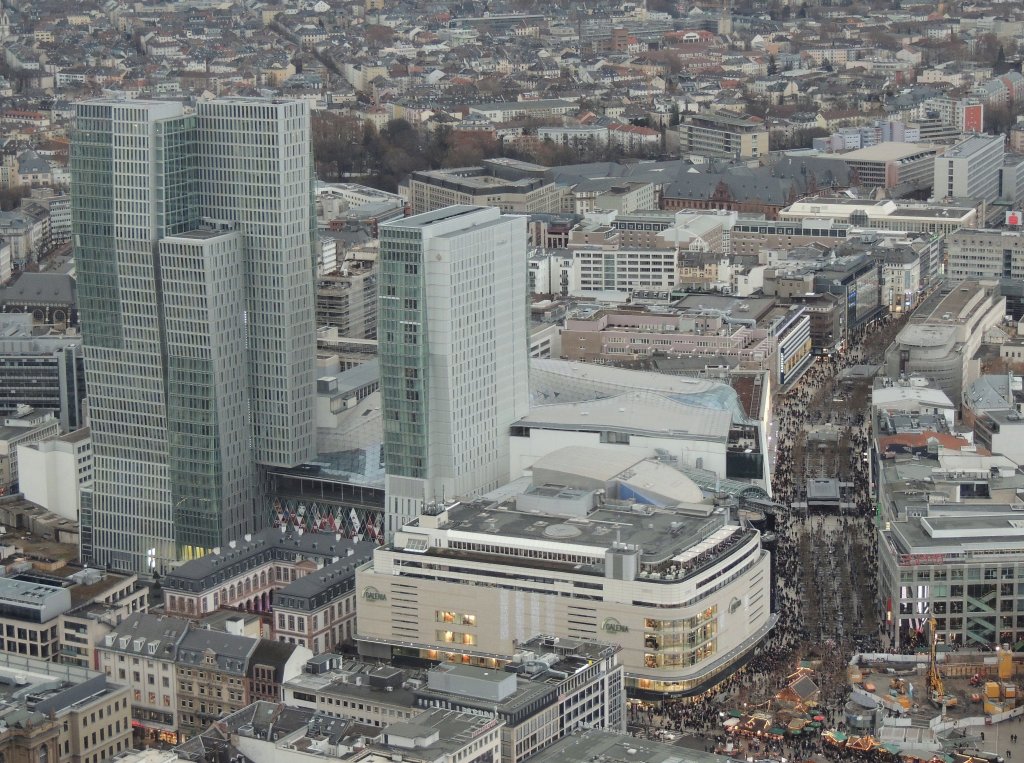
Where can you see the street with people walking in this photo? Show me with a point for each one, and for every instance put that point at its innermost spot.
(826, 562)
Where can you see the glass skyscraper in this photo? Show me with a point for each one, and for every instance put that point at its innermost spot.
(452, 337)
(194, 247)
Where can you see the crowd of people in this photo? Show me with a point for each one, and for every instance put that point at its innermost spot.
(825, 563)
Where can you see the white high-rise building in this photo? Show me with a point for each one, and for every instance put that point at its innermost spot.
(970, 169)
(193, 237)
(453, 345)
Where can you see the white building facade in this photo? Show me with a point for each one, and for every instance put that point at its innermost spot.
(454, 352)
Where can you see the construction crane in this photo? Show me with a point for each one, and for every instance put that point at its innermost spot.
(937, 691)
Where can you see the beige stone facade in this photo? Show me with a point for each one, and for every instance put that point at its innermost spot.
(456, 594)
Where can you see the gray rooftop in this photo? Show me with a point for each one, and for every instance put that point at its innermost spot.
(166, 632)
(327, 577)
(999, 528)
(660, 534)
(359, 376)
(40, 288)
(426, 219)
(203, 234)
(454, 730)
(284, 543)
(608, 747)
(230, 652)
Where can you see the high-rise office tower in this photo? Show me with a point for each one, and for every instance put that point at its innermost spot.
(453, 346)
(193, 237)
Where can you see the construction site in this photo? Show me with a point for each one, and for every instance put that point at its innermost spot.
(935, 702)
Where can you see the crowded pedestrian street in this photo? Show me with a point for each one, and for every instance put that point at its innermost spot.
(826, 563)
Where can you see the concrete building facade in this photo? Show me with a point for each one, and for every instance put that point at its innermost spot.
(942, 339)
(985, 253)
(970, 169)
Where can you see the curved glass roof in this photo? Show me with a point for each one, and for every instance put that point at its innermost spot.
(563, 381)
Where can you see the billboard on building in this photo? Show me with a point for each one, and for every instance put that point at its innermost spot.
(1014, 218)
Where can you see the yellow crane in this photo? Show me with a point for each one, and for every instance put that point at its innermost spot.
(937, 689)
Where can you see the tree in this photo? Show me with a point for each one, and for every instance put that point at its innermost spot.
(773, 67)
(1001, 56)
(674, 117)
(378, 36)
(826, 65)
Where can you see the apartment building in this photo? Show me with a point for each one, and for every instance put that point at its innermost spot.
(318, 609)
(211, 676)
(183, 678)
(719, 134)
(140, 654)
(505, 111)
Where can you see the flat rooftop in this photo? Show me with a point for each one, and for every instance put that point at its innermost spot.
(962, 535)
(608, 747)
(28, 592)
(438, 215)
(591, 650)
(354, 680)
(454, 729)
(955, 301)
(730, 120)
(973, 145)
(202, 234)
(934, 213)
(659, 534)
(889, 151)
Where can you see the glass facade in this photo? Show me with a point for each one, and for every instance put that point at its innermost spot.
(401, 335)
(194, 242)
(974, 605)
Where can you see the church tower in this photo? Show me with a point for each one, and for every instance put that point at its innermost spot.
(725, 19)
(5, 23)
